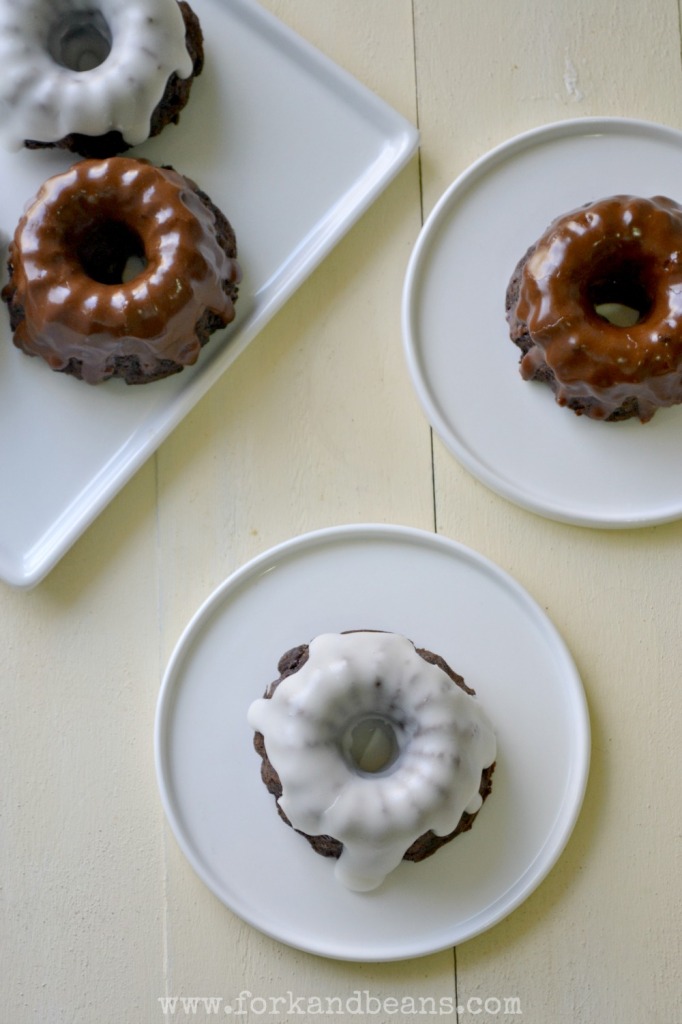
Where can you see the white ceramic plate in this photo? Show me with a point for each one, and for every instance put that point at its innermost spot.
(293, 150)
(444, 597)
(509, 433)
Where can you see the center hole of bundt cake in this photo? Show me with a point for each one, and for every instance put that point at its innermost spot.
(80, 40)
(370, 745)
(619, 296)
(112, 253)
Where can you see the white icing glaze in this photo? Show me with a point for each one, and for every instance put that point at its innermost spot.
(444, 738)
(43, 101)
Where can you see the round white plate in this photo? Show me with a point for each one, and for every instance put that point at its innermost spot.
(509, 433)
(443, 596)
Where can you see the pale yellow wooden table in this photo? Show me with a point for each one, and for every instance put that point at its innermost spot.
(317, 424)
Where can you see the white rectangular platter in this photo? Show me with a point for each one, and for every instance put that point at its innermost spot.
(293, 150)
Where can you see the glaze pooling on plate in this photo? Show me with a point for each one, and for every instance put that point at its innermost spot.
(443, 740)
(126, 54)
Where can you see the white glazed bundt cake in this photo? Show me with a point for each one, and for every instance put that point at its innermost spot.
(94, 76)
(374, 750)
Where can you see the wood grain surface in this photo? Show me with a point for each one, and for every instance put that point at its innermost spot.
(317, 424)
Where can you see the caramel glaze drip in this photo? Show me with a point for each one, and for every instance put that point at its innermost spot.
(70, 316)
(622, 249)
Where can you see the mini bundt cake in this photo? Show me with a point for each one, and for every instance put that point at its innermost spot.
(595, 307)
(94, 76)
(119, 268)
(375, 751)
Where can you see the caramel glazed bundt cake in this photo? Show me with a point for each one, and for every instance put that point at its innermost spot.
(375, 751)
(595, 306)
(94, 76)
(119, 268)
